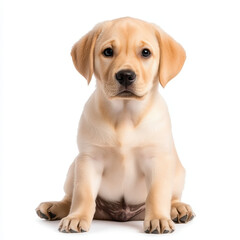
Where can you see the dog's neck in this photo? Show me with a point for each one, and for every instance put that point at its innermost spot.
(117, 111)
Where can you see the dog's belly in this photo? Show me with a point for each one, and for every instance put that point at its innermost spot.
(123, 178)
(118, 211)
(123, 190)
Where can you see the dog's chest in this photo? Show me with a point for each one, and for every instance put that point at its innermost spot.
(126, 135)
(129, 135)
(123, 176)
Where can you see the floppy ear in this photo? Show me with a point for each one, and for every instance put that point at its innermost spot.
(83, 53)
(172, 57)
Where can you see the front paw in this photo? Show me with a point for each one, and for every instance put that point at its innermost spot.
(161, 225)
(73, 224)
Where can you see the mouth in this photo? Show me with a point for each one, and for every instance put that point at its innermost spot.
(128, 94)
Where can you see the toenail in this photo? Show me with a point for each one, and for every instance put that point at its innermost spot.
(183, 219)
(52, 215)
(175, 220)
(40, 214)
(155, 231)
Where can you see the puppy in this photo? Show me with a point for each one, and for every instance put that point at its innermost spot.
(127, 167)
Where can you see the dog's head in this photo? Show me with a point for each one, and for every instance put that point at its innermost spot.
(128, 57)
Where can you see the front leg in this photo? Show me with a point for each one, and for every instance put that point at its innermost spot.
(87, 178)
(159, 178)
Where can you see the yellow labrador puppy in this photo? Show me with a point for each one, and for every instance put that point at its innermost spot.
(127, 167)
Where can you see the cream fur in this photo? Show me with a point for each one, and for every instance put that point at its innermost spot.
(126, 148)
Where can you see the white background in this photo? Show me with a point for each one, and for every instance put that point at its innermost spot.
(42, 96)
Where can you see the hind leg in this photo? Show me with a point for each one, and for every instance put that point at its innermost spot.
(180, 212)
(54, 210)
(58, 209)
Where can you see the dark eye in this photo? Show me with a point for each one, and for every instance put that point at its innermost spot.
(108, 52)
(146, 53)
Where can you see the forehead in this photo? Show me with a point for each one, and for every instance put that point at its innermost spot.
(128, 31)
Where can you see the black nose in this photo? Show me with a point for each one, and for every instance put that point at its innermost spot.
(125, 77)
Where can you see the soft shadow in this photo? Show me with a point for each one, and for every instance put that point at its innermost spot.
(102, 225)
(52, 225)
(99, 225)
